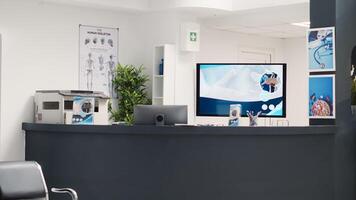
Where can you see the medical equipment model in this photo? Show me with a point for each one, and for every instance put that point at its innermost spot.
(71, 107)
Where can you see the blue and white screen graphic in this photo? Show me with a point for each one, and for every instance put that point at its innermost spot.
(256, 87)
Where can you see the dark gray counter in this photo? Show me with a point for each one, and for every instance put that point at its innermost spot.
(184, 163)
(180, 130)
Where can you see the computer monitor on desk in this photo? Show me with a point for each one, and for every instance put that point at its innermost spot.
(160, 115)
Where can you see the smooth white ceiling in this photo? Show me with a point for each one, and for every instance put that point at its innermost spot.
(271, 21)
(148, 5)
(129, 5)
(261, 17)
(253, 4)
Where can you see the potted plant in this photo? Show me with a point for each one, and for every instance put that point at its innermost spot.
(130, 85)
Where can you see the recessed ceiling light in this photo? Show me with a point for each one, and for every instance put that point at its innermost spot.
(302, 24)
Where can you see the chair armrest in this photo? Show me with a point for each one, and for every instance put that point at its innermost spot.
(69, 191)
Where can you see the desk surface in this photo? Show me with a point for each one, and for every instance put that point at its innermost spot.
(179, 130)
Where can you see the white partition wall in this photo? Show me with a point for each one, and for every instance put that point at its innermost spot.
(163, 88)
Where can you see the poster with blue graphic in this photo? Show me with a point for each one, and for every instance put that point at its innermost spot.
(322, 97)
(321, 49)
(256, 87)
(83, 110)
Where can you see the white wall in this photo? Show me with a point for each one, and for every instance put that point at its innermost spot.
(156, 29)
(164, 28)
(295, 54)
(40, 51)
(223, 46)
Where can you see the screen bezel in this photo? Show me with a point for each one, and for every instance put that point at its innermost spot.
(284, 66)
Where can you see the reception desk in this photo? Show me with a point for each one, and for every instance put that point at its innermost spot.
(185, 163)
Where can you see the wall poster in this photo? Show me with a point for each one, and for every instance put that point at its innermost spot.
(98, 57)
(321, 49)
(322, 96)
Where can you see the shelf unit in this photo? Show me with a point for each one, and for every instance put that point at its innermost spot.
(163, 86)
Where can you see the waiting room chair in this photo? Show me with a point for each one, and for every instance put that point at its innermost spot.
(25, 180)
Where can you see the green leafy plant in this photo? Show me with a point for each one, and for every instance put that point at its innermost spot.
(130, 85)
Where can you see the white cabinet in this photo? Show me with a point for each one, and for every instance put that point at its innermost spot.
(163, 84)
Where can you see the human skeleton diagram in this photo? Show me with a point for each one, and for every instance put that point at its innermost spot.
(111, 74)
(89, 71)
(101, 62)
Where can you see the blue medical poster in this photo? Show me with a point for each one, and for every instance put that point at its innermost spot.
(83, 110)
(235, 115)
(321, 49)
(322, 97)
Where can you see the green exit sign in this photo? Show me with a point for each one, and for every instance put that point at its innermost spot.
(193, 36)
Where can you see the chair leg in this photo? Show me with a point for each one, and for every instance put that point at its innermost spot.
(69, 191)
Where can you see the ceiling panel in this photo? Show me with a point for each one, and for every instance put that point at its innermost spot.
(271, 22)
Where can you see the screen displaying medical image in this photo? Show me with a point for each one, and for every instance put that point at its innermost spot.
(256, 87)
(321, 96)
(321, 49)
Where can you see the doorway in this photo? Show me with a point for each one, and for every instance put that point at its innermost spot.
(252, 55)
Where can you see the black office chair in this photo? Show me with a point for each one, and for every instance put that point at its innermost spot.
(24, 180)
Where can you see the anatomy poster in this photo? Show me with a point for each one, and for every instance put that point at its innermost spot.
(98, 51)
(322, 96)
(321, 49)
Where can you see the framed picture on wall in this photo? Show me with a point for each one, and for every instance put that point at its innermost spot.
(98, 57)
(321, 49)
(322, 97)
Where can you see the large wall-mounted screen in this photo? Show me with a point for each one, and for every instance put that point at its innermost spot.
(257, 87)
